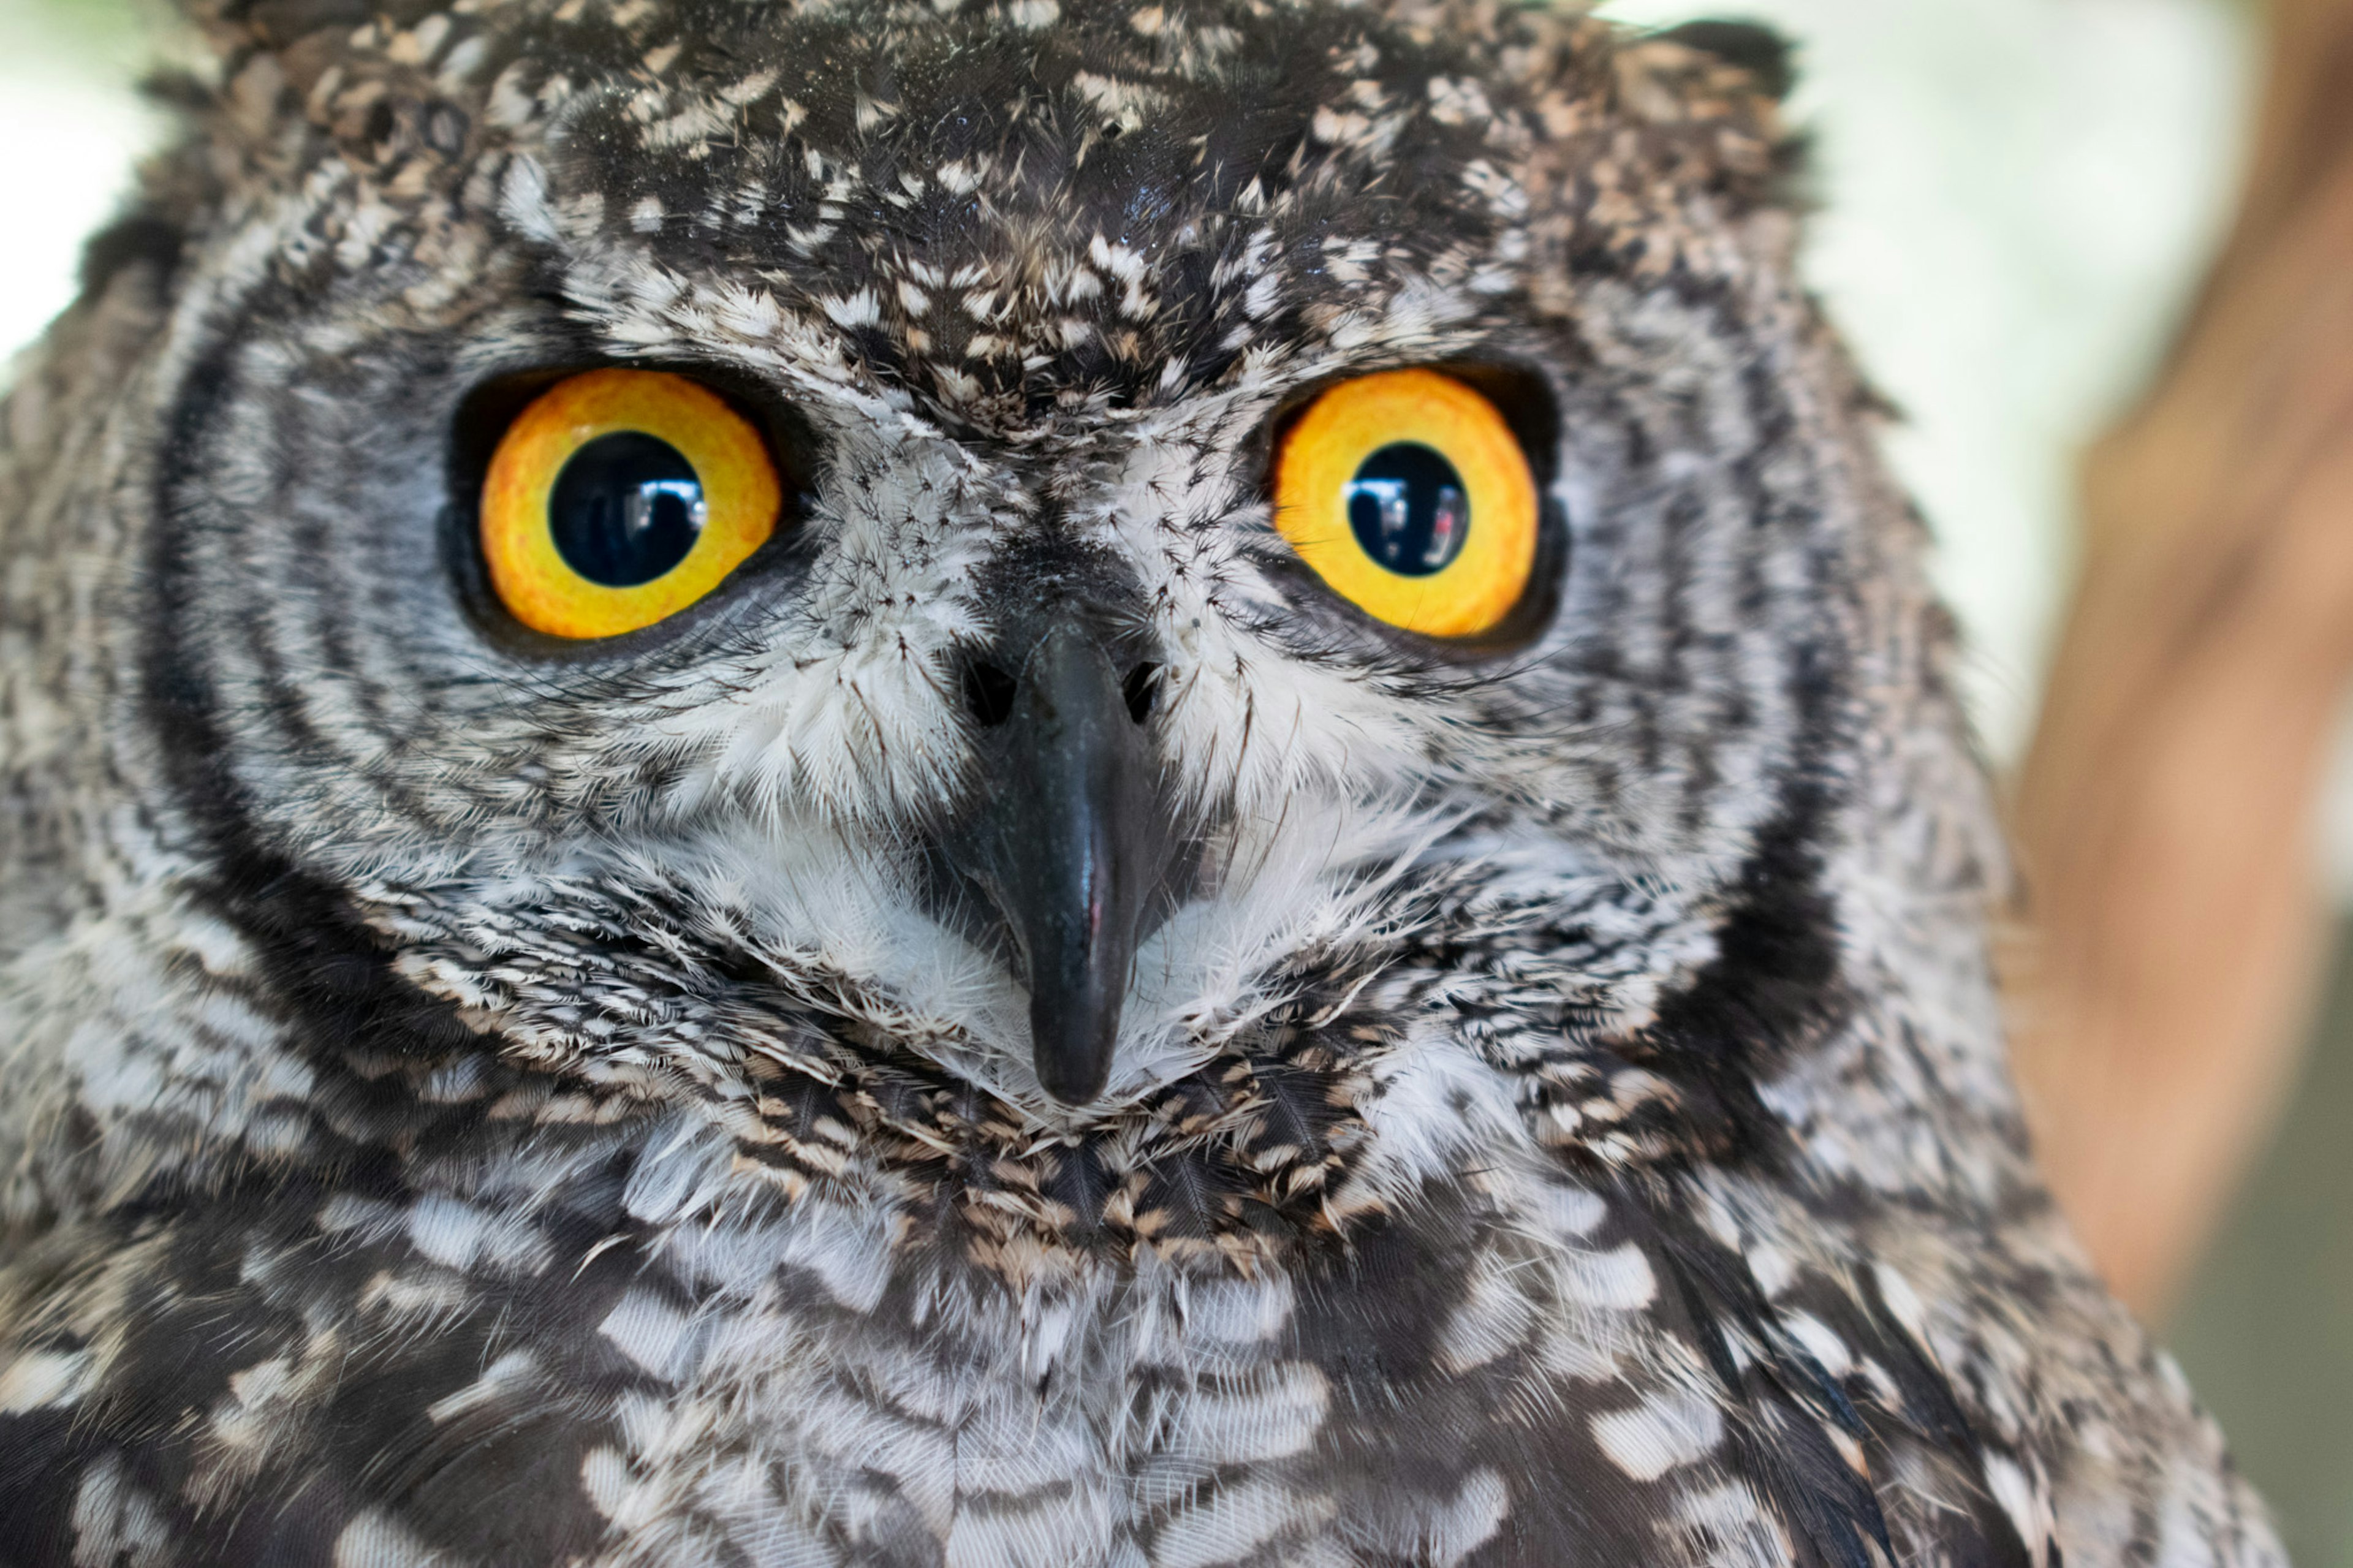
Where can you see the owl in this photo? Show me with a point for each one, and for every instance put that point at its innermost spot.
(1005, 783)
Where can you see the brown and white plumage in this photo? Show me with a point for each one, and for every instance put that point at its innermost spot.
(473, 1105)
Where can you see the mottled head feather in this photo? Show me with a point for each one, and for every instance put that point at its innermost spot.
(474, 1100)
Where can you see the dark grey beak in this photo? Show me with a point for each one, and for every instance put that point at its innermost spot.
(1068, 838)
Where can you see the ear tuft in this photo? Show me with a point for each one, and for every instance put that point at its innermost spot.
(1753, 47)
(276, 24)
(139, 238)
(279, 22)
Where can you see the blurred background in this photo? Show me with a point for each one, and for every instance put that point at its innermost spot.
(2093, 250)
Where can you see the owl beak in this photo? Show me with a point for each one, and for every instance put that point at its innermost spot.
(1070, 842)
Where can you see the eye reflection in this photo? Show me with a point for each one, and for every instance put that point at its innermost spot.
(627, 508)
(1407, 508)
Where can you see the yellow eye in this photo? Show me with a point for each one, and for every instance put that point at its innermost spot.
(618, 498)
(1409, 496)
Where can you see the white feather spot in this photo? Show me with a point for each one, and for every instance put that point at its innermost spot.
(1278, 1417)
(114, 1521)
(1233, 1522)
(1569, 1211)
(1903, 1301)
(498, 1380)
(858, 309)
(522, 200)
(1820, 1341)
(374, 1540)
(447, 1231)
(1773, 1268)
(2029, 1511)
(1664, 1432)
(650, 1332)
(41, 1379)
(1427, 1531)
(1619, 1279)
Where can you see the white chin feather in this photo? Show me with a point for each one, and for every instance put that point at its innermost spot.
(845, 926)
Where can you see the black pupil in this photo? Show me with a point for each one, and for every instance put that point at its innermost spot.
(626, 508)
(1408, 507)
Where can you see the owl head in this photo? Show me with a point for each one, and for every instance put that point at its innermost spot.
(1100, 571)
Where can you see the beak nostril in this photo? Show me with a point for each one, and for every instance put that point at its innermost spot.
(1063, 829)
(988, 692)
(1142, 689)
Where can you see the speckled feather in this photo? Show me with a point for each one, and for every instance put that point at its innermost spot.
(471, 1104)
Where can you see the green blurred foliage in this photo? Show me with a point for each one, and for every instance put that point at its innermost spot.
(81, 33)
(100, 44)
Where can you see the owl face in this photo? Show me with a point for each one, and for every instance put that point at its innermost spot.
(1021, 738)
(1021, 781)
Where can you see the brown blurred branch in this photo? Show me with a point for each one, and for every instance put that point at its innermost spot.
(2164, 815)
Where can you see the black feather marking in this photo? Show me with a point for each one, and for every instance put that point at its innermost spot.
(138, 238)
(1783, 1400)
(1760, 50)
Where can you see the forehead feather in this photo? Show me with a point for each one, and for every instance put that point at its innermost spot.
(1004, 218)
(1006, 210)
